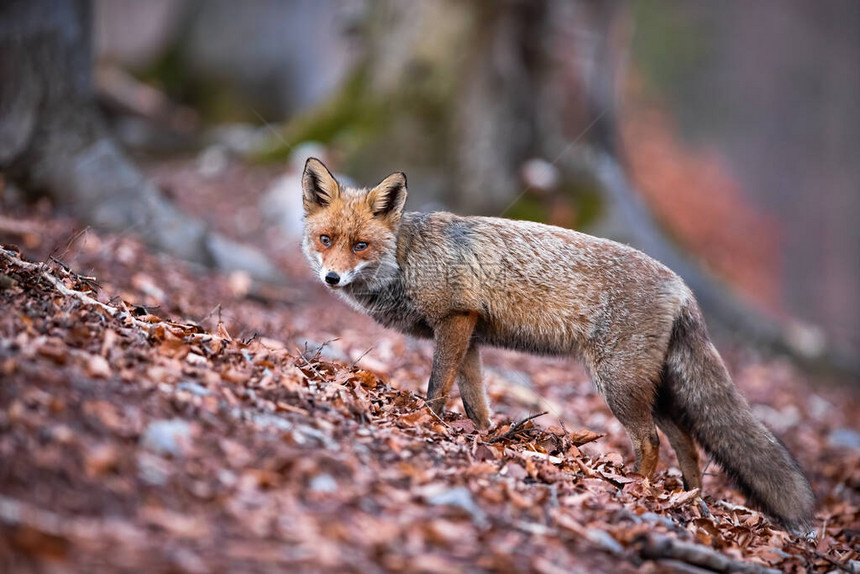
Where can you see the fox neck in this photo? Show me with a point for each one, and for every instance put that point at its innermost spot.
(370, 295)
(380, 279)
(388, 303)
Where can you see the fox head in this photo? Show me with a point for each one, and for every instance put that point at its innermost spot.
(351, 234)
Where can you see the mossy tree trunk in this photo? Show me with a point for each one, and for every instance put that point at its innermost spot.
(448, 92)
(461, 94)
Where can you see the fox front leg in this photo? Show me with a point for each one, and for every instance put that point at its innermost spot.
(452, 336)
(472, 389)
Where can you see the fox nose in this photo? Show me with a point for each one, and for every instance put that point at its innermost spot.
(332, 278)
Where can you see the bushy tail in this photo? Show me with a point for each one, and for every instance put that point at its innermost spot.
(711, 408)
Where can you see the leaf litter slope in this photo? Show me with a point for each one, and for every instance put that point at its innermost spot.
(185, 424)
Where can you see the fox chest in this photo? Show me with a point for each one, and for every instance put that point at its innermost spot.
(392, 308)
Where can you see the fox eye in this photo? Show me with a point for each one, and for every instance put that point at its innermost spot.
(360, 246)
(325, 240)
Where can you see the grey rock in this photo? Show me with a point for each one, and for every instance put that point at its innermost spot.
(460, 497)
(194, 388)
(171, 437)
(844, 438)
(323, 483)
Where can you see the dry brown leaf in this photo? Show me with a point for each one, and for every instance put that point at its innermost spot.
(584, 436)
(97, 366)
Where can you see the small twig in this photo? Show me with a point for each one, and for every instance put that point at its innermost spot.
(361, 356)
(527, 419)
(516, 428)
(65, 267)
(90, 281)
(703, 507)
(566, 442)
(820, 555)
(654, 546)
(58, 285)
(318, 352)
(309, 363)
(210, 313)
(301, 355)
(68, 246)
(427, 402)
(114, 312)
(250, 339)
(443, 399)
(438, 418)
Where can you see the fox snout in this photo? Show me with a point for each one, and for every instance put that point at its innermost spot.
(337, 279)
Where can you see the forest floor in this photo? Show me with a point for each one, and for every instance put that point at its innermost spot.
(156, 417)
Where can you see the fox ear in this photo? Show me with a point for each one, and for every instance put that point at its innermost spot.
(319, 187)
(389, 197)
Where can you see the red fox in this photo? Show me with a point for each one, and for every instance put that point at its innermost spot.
(472, 281)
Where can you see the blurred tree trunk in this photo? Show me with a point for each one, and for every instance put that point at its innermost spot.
(482, 87)
(455, 86)
(45, 63)
(54, 142)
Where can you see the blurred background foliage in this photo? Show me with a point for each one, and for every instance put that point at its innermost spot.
(736, 123)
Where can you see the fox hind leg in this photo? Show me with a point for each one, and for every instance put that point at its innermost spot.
(685, 450)
(646, 444)
(631, 399)
(668, 419)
